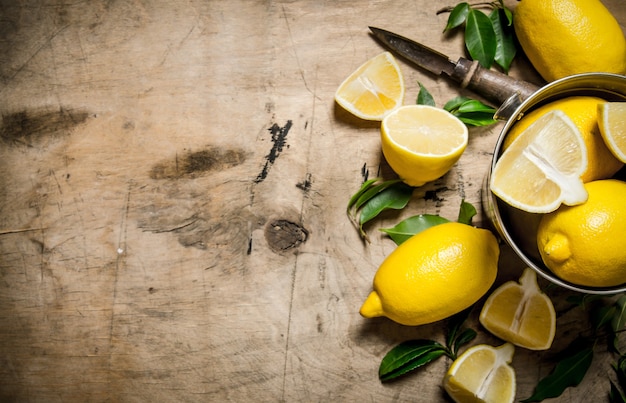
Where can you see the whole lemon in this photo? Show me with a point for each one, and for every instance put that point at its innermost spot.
(585, 244)
(583, 110)
(434, 274)
(565, 37)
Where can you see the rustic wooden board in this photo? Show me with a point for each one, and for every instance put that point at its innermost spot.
(174, 179)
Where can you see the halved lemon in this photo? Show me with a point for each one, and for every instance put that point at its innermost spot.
(612, 122)
(421, 143)
(542, 167)
(374, 89)
(482, 374)
(520, 313)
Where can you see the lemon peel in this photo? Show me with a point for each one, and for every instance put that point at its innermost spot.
(434, 274)
(566, 37)
(585, 244)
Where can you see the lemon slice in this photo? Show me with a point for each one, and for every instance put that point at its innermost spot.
(520, 313)
(542, 167)
(421, 143)
(373, 89)
(482, 374)
(612, 123)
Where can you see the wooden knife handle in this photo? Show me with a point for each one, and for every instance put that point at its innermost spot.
(492, 85)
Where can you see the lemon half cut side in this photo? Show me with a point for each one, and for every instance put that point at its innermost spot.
(374, 89)
(612, 123)
(542, 168)
(422, 143)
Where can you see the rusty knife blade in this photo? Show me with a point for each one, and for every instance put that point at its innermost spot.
(423, 56)
(493, 85)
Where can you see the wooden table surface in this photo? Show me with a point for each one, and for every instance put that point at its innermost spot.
(174, 180)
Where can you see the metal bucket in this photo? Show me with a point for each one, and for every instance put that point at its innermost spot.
(512, 224)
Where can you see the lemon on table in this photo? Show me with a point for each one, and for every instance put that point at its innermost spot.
(583, 111)
(434, 274)
(482, 374)
(374, 89)
(542, 167)
(565, 37)
(421, 143)
(585, 244)
(612, 122)
(520, 313)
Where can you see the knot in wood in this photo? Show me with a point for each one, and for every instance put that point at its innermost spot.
(282, 235)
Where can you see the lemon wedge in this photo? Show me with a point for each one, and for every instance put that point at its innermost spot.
(482, 374)
(542, 168)
(520, 313)
(374, 89)
(421, 143)
(612, 123)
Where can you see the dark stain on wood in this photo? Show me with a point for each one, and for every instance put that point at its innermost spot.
(279, 140)
(305, 185)
(29, 127)
(198, 163)
(282, 235)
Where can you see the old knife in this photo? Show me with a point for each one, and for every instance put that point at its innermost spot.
(493, 85)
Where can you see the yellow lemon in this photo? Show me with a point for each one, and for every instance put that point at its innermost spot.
(374, 89)
(583, 111)
(434, 274)
(482, 374)
(542, 167)
(421, 143)
(565, 37)
(585, 244)
(612, 122)
(520, 313)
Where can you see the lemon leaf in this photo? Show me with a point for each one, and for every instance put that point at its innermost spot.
(619, 319)
(568, 372)
(408, 356)
(413, 225)
(505, 37)
(480, 38)
(395, 196)
(364, 187)
(424, 97)
(457, 16)
(466, 212)
(470, 111)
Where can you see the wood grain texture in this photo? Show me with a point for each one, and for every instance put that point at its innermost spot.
(174, 178)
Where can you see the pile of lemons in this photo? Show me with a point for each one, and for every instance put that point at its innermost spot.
(557, 165)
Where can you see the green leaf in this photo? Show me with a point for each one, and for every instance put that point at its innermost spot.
(408, 356)
(620, 371)
(457, 16)
(413, 225)
(568, 372)
(465, 337)
(454, 325)
(393, 197)
(619, 319)
(505, 38)
(366, 185)
(616, 395)
(424, 97)
(369, 193)
(602, 316)
(470, 111)
(480, 38)
(466, 212)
